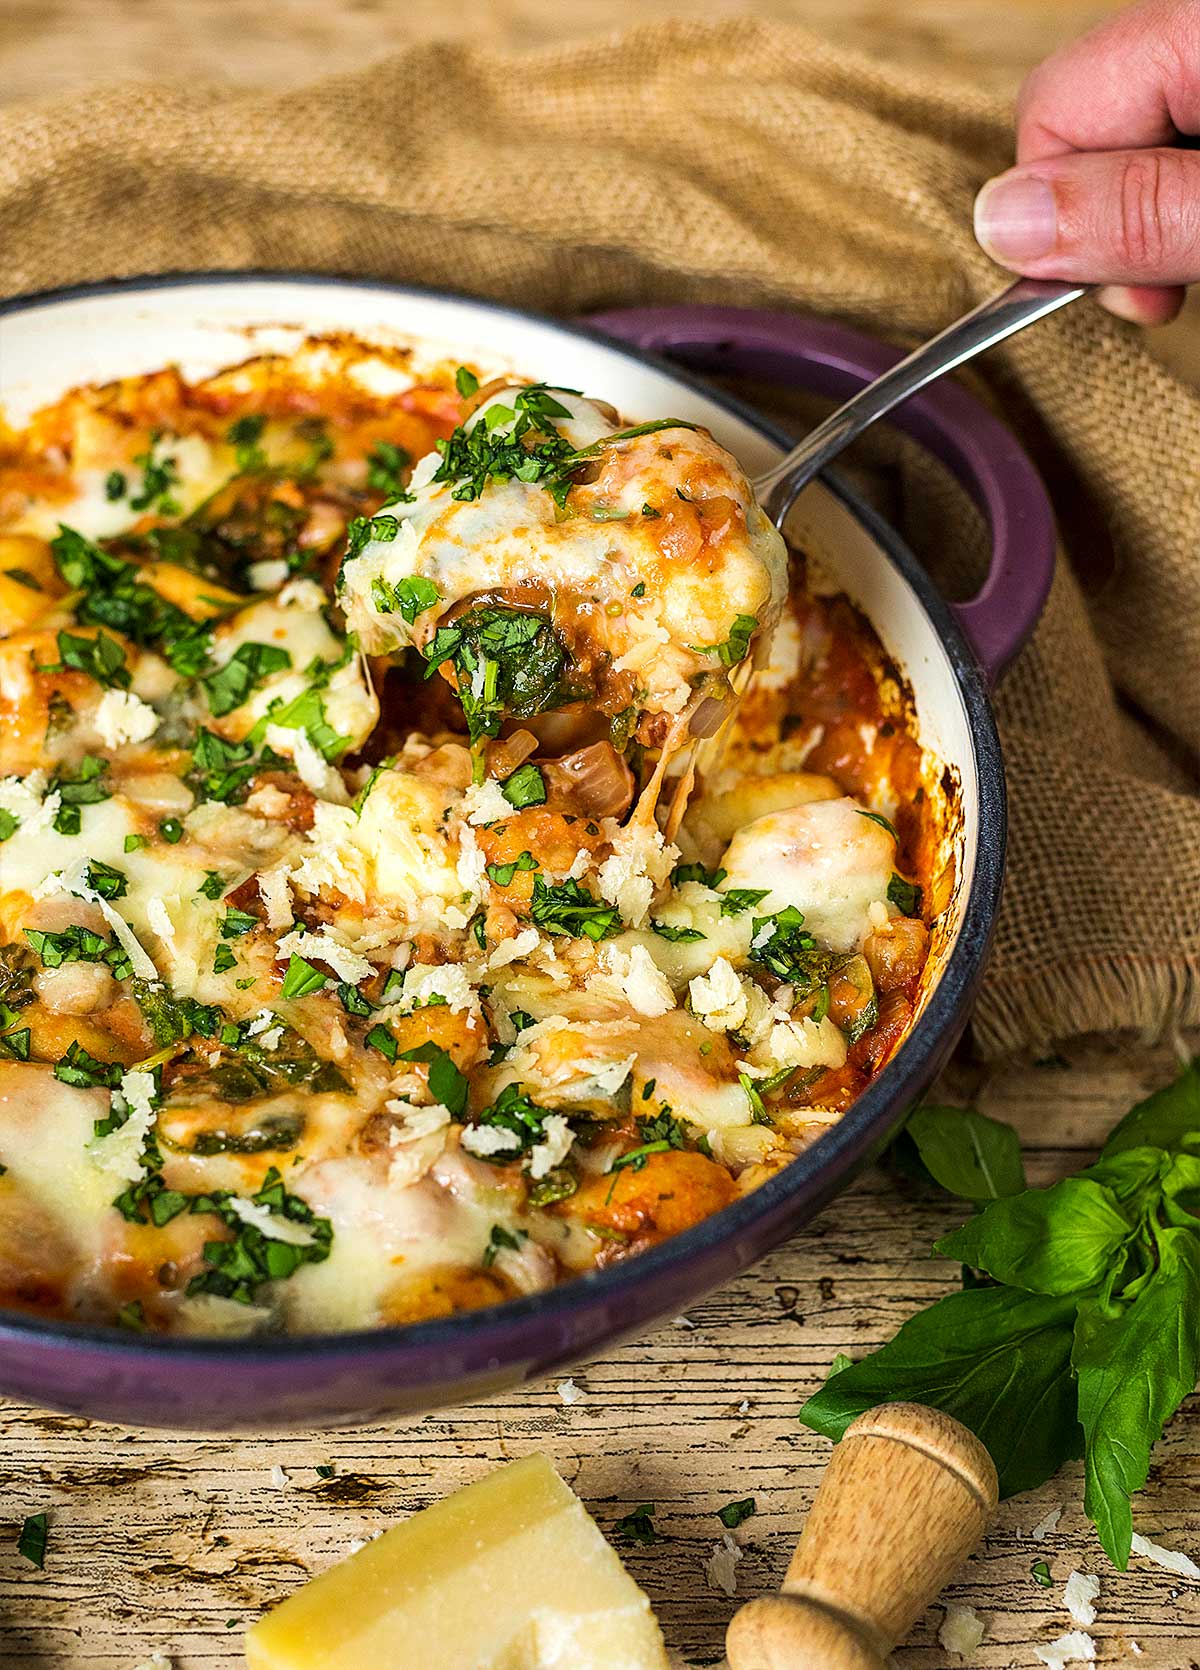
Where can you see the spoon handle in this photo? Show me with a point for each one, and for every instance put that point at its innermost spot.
(1022, 303)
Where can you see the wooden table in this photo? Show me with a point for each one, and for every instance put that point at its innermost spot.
(173, 1543)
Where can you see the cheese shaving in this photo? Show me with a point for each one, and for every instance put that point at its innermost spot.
(323, 946)
(639, 979)
(486, 1140)
(961, 1630)
(313, 769)
(123, 717)
(1168, 1558)
(721, 1566)
(1077, 1647)
(485, 803)
(717, 998)
(120, 1152)
(1080, 1591)
(276, 896)
(557, 1138)
(272, 1225)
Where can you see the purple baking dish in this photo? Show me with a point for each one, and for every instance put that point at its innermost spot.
(950, 655)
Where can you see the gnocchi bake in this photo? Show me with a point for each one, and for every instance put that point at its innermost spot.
(448, 843)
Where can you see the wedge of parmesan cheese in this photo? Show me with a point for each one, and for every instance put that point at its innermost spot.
(511, 1571)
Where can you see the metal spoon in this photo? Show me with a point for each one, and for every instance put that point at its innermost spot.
(1021, 304)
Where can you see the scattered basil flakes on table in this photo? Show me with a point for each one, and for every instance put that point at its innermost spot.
(1080, 1337)
(32, 1541)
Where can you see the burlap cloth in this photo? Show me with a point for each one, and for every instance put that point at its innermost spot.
(752, 164)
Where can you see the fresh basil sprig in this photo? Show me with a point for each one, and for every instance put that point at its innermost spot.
(1082, 1337)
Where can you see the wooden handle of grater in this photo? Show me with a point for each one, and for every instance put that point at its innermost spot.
(905, 1499)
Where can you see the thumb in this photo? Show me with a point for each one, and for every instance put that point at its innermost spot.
(1106, 217)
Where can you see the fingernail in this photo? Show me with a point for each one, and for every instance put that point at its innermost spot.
(1016, 218)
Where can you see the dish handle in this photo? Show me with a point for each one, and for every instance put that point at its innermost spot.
(976, 447)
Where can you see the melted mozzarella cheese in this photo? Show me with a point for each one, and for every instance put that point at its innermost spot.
(294, 620)
(395, 850)
(828, 859)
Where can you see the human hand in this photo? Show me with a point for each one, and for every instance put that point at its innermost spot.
(1097, 193)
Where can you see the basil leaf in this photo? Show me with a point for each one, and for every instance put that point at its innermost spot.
(735, 647)
(446, 1084)
(101, 657)
(637, 1526)
(1061, 1240)
(997, 1360)
(106, 880)
(568, 908)
(884, 823)
(31, 1544)
(1136, 1357)
(1164, 1120)
(406, 597)
(905, 895)
(526, 787)
(301, 978)
(972, 1156)
(246, 669)
(386, 463)
(502, 874)
(674, 935)
(735, 901)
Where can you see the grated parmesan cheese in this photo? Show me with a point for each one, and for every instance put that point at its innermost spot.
(23, 800)
(961, 1631)
(324, 947)
(123, 717)
(276, 895)
(274, 1227)
(425, 982)
(471, 866)
(512, 950)
(484, 803)
(418, 1122)
(554, 1147)
(806, 1043)
(639, 979)
(721, 1566)
(1074, 1648)
(120, 1152)
(637, 866)
(718, 998)
(1168, 1558)
(1044, 1527)
(485, 1140)
(569, 1392)
(1080, 1591)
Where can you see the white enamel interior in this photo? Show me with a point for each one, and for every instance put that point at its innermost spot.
(202, 326)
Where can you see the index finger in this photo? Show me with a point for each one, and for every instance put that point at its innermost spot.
(1131, 82)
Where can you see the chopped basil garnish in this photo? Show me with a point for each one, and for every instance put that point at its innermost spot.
(568, 908)
(301, 978)
(525, 787)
